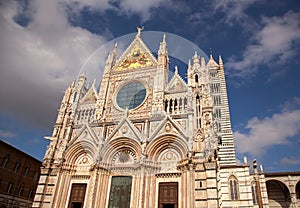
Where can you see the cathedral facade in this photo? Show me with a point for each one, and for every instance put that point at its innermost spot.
(144, 141)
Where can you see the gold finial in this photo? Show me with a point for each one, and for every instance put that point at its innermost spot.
(139, 29)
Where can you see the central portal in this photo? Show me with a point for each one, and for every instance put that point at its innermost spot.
(168, 195)
(120, 192)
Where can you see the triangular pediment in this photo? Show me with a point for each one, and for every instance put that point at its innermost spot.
(90, 96)
(86, 133)
(125, 129)
(167, 126)
(137, 55)
(176, 85)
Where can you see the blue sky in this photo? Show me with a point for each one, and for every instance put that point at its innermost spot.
(44, 44)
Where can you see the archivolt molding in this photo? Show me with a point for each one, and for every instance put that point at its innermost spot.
(160, 144)
(232, 174)
(78, 149)
(114, 147)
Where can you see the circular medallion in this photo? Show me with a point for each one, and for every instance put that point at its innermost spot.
(131, 95)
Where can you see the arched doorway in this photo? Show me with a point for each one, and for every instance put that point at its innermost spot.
(278, 194)
(298, 193)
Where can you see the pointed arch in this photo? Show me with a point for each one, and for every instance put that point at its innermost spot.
(233, 186)
(196, 78)
(158, 145)
(79, 148)
(254, 190)
(118, 146)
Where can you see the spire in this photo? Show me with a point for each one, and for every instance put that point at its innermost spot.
(163, 58)
(82, 76)
(94, 83)
(220, 60)
(196, 60)
(115, 48)
(112, 56)
(203, 61)
(211, 62)
(221, 63)
(210, 54)
(195, 55)
(73, 83)
(163, 46)
(189, 64)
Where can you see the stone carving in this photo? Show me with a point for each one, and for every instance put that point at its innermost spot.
(198, 143)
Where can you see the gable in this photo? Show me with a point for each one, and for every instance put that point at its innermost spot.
(137, 55)
(84, 134)
(176, 85)
(125, 129)
(90, 96)
(167, 126)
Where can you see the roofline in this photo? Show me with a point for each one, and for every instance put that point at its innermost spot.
(283, 173)
(234, 166)
(19, 150)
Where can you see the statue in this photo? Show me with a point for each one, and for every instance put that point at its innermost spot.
(139, 31)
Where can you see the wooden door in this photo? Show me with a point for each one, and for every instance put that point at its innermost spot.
(77, 195)
(120, 192)
(168, 195)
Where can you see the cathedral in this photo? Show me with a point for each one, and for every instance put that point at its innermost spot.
(142, 140)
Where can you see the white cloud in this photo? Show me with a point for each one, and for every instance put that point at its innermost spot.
(38, 61)
(286, 161)
(127, 7)
(233, 9)
(274, 43)
(6, 134)
(143, 8)
(268, 131)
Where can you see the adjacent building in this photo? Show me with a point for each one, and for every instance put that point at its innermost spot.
(142, 140)
(19, 176)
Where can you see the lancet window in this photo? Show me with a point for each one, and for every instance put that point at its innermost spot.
(217, 100)
(254, 193)
(175, 105)
(196, 78)
(198, 111)
(85, 115)
(233, 188)
(215, 87)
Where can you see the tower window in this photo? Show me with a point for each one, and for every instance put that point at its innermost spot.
(217, 113)
(233, 188)
(254, 193)
(217, 100)
(196, 78)
(215, 87)
(213, 73)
